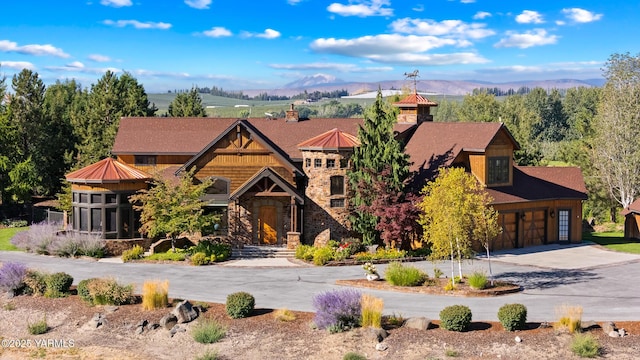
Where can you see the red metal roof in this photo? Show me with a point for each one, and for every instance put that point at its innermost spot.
(333, 139)
(107, 170)
(415, 99)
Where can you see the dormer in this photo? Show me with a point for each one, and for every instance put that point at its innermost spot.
(493, 166)
(415, 109)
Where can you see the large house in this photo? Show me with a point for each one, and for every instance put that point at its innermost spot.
(284, 181)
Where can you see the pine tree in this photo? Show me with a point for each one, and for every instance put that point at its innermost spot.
(378, 149)
(187, 105)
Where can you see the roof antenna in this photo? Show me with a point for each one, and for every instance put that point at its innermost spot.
(413, 75)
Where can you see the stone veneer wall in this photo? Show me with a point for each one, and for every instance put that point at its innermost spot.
(321, 221)
(116, 247)
(243, 221)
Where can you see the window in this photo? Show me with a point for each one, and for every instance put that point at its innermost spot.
(337, 185)
(344, 163)
(331, 163)
(96, 198)
(317, 163)
(498, 170)
(337, 203)
(145, 159)
(307, 162)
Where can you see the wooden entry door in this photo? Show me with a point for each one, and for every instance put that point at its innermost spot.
(267, 225)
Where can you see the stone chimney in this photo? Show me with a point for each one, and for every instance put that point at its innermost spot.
(292, 115)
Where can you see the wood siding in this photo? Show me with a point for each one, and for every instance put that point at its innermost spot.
(536, 223)
(125, 186)
(632, 226)
(162, 162)
(478, 166)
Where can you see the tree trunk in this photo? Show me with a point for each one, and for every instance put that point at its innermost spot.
(453, 280)
(490, 272)
(459, 259)
(173, 244)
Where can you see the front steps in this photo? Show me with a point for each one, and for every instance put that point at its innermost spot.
(253, 252)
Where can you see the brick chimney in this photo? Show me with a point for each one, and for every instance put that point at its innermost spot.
(292, 115)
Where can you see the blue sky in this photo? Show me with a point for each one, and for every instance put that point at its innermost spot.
(169, 44)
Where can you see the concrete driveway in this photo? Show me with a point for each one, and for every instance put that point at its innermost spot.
(607, 292)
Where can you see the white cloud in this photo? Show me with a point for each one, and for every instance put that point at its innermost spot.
(267, 34)
(560, 23)
(293, 2)
(116, 3)
(528, 39)
(77, 67)
(32, 49)
(467, 1)
(99, 58)
(198, 4)
(138, 24)
(17, 65)
(452, 28)
(76, 64)
(397, 49)
(362, 8)
(481, 15)
(418, 8)
(217, 32)
(581, 15)
(529, 17)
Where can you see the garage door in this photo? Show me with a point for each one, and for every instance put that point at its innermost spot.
(534, 228)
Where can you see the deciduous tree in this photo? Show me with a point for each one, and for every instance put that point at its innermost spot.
(187, 104)
(616, 154)
(169, 209)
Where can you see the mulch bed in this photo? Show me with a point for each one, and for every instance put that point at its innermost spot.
(435, 287)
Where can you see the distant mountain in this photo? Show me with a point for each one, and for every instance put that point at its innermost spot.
(327, 83)
(314, 80)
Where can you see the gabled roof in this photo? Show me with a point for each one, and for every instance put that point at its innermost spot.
(269, 173)
(255, 135)
(437, 144)
(413, 100)
(534, 183)
(188, 136)
(107, 170)
(333, 139)
(634, 208)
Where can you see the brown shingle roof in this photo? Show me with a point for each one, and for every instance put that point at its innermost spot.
(147, 135)
(634, 208)
(437, 144)
(414, 100)
(107, 170)
(532, 183)
(333, 139)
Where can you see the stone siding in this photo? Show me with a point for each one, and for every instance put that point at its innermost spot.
(321, 221)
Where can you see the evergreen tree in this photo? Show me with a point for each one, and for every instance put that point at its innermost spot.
(187, 105)
(378, 150)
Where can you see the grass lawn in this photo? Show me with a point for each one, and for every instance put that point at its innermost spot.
(614, 240)
(5, 238)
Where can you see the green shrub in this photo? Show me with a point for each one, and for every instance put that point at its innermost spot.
(39, 327)
(208, 331)
(513, 316)
(35, 282)
(221, 251)
(437, 273)
(455, 318)
(478, 280)
(323, 255)
(305, 252)
(135, 253)
(401, 275)
(199, 258)
(449, 286)
(58, 284)
(585, 345)
(240, 304)
(167, 256)
(83, 291)
(99, 291)
(209, 355)
(353, 356)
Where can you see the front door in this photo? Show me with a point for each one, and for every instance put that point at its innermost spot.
(267, 222)
(564, 225)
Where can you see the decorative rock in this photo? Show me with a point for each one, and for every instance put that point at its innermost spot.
(614, 334)
(420, 323)
(139, 330)
(381, 347)
(168, 321)
(176, 329)
(585, 325)
(622, 332)
(518, 339)
(97, 320)
(110, 308)
(142, 323)
(153, 326)
(185, 312)
(376, 334)
(607, 328)
(544, 325)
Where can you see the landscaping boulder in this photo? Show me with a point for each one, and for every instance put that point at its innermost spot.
(185, 312)
(176, 329)
(420, 323)
(609, 327)
(140, 326)
(168, 321)
(376, 334)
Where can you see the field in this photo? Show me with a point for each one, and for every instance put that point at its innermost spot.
(5, 238)
(614, 240)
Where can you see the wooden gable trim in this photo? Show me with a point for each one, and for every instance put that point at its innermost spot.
(278, 181)
(255, 135)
